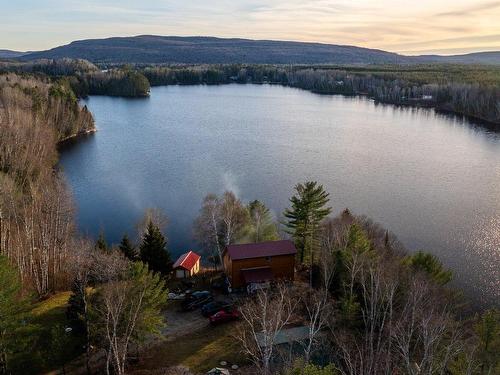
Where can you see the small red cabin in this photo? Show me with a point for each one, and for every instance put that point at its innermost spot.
(187, 265)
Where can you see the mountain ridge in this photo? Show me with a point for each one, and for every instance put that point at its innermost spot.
(213, 50)
(9, 54)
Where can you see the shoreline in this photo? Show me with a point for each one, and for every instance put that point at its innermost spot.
(477, 121)
(74, 137)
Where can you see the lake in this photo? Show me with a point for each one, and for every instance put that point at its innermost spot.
(433, 180)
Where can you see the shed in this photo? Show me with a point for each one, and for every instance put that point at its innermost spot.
(188, 264)
(286, 336)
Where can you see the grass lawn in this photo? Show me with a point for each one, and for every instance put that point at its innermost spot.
(51, 311)
(51, 346)
(200, 351)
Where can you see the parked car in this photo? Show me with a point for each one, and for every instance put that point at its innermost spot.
(196, 299)
(218, 371)
(224, 316)
(255, 287)
(176, 296)
(211, 308)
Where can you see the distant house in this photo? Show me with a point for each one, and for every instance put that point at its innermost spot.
(187, 265)
(262, 262)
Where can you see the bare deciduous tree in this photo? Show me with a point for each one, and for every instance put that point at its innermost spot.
(234, 217)
(37, 218)
(220, 222)
(127, 309)
(264, 316)
(207, 225)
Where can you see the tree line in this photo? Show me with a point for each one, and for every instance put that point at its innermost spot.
(470, 90)
(83, 77)
(465, 90)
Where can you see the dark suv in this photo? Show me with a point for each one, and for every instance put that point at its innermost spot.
(196, 299)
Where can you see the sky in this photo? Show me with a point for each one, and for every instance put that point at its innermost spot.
(403, 26)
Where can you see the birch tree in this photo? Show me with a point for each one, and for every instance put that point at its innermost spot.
(264, 316)
(126, 311)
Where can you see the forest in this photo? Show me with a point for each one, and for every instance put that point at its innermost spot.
(469, 90)
(372, 306)
(83, 77)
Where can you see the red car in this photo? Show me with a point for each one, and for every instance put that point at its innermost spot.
(224, 316)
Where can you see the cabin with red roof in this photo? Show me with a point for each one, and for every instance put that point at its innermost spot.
(261, 262)
(187, 265)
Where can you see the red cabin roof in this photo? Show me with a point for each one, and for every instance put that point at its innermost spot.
(261, 249)
(187, 260)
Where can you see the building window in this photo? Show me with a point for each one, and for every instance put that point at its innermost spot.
(268, 259)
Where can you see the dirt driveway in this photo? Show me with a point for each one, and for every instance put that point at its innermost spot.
(180, 322)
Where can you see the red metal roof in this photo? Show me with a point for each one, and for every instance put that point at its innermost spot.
(257, 274)
(187, 260)
(261, 249)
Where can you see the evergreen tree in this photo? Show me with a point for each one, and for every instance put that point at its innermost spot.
(101, 243)
(154, 251)
(307, 211)
(127, 248)
(262, 227)
(13, 315)
(428, 263)
(75, 312)
(487, 329)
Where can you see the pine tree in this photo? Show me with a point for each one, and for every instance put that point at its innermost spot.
(101, 243)
(75, 312)
(14, 314)
(154, 251)
(307, 211)
(127, 248)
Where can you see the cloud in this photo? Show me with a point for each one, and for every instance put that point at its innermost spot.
(471, 40)
(467, 11)
(396, 25)
(453, 51)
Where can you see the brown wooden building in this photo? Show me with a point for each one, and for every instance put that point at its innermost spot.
(259, 262)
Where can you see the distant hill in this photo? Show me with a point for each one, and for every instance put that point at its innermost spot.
(210, 50)
(470, 58)
(8, 54)
(171, 49)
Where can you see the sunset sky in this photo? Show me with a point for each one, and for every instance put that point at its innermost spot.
(404, 26)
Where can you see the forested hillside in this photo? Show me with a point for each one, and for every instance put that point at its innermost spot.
(8, 54)
(210, 50)
(35, 208)
(85, 78)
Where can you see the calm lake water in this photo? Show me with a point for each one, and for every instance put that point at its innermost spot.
(431, 179)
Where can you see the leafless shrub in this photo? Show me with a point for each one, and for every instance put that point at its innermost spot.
(263, 317)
